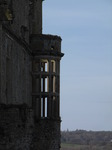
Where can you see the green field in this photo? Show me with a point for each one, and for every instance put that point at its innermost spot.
(73, 147)
(65, 146)
(86, 140)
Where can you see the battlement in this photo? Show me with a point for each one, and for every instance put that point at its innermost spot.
(45, 42)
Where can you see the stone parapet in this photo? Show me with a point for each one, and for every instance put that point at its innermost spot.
(42, 42)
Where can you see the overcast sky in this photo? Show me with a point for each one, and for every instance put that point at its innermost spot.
(86, 69)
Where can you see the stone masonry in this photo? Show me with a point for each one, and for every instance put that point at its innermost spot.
(29, 79)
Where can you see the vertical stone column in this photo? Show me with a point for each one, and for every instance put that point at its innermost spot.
(58, 86)
(37, 17)
(50, 105)
(0, 60)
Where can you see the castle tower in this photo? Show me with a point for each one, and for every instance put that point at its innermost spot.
(46, 88)
(29, 79)
(47, 54)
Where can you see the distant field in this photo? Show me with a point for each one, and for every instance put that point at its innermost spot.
(73, 147)
(65, 146)
(86, 140)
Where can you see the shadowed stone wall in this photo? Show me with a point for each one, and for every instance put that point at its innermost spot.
(19, 130)
(15, 71)
(16, 127)
(47, 134)
(22, 47)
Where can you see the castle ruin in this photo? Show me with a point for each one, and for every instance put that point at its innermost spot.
(29, 79)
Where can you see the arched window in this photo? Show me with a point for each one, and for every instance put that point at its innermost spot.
(53, 66)
(44, 65)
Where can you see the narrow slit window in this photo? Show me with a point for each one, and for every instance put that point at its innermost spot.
(54, 84)
(53, 66)
(46, 107)
(42, 86)
(46, 84)
(42, 69)
(46, 67)
(42, 107)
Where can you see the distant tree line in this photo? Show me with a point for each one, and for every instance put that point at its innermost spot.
(83, 137)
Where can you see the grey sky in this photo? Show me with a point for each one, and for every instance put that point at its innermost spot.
(86, 69)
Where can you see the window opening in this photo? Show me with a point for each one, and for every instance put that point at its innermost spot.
(44, 65)
(42, 82)
(46, 84)
(54, 84)
(44, 107)
(54, 98)
(42, 68)
(53, 66)
(41, 107)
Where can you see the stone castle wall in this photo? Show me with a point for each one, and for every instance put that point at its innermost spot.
(15, 72)
(16, 128)
(20, 129)
(47, 135)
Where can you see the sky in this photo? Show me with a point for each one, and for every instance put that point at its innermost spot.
(85, 27)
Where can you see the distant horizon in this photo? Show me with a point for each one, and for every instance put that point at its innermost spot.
(86, 130)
